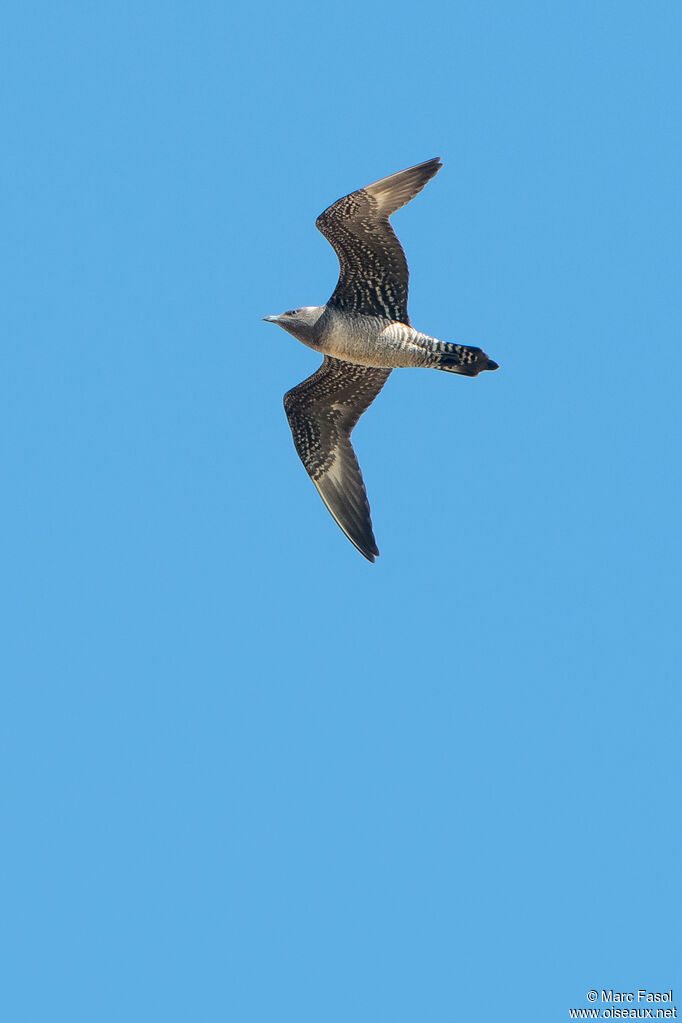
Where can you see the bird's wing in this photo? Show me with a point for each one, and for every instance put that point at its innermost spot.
(374, 274)
(322, 412)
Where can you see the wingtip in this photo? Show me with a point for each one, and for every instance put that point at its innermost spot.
(364, 545)
(396, 190)
(431, 166)
(435, 162)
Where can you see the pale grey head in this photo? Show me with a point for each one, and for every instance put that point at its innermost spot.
(299, 322)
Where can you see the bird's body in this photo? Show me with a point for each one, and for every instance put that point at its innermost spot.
(363, 332)
(383, 343)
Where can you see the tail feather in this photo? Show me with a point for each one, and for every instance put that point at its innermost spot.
(468, 362)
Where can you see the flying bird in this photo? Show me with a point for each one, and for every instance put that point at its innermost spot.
(363, 332)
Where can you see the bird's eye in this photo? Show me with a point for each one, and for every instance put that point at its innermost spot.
(291, 312)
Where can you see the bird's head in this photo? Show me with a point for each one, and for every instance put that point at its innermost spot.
(299, 322)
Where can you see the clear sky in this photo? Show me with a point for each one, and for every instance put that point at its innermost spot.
(247, 776)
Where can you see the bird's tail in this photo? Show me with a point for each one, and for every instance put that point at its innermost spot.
(469, 362)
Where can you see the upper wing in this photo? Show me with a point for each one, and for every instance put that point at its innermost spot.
(374, 272)
(322, 412)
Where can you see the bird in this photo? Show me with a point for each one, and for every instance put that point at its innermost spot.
(364, 333)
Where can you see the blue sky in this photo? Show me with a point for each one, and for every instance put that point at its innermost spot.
(247, 775)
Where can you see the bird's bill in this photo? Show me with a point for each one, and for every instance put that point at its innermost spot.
(271, 319)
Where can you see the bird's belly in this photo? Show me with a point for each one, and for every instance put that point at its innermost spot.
(365, 343)
(373, 343)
